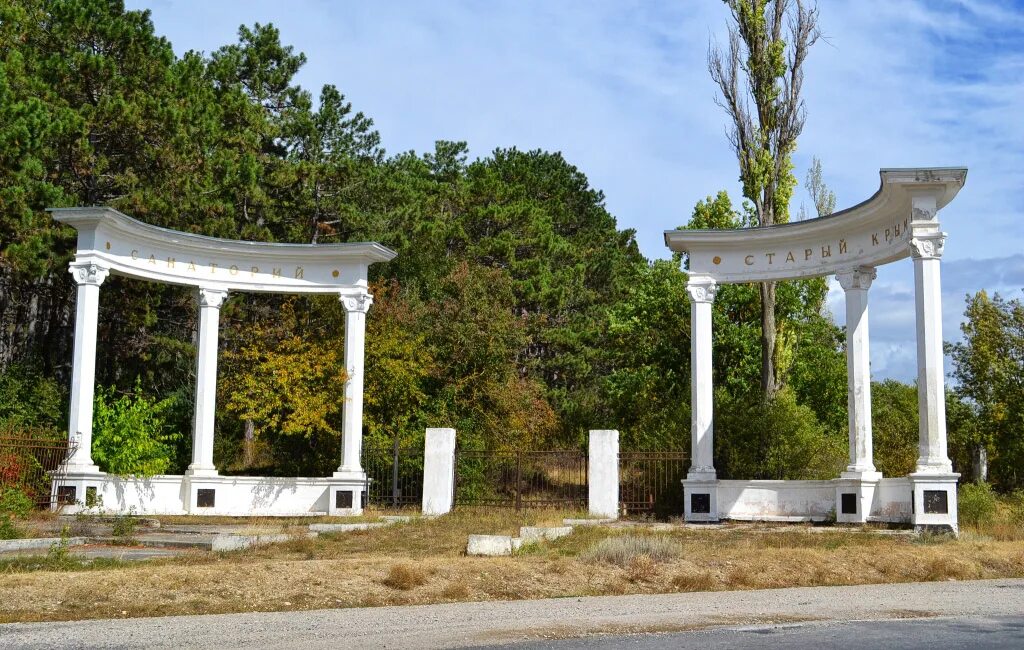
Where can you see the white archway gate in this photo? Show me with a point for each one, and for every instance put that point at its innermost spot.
(899, 221)
(111, 242)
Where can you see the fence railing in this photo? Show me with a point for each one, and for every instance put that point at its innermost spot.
(34, 464)
(521, 479)
(649, 483)
(394, 474)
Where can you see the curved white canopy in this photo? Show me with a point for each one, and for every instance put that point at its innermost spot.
(874, 232)
(129, 247)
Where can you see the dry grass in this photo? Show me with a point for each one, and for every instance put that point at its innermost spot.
(624, 550)
(355, 569)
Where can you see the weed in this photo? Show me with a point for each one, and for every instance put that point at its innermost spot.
(124, 529)
(693, 581)
(642, 569)
(455, 591)
(977, 504)
(59, 555)
(405, 577)
(623, 549)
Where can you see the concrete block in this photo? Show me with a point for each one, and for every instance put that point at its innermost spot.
(492, 545)
(239, 542)
(347, 528)
(538, 533)
(38, 543)
(438, 471)
(603, 473)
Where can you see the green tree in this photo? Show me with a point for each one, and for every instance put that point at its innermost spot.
(759, 68)
(988, 366)
(130, 436)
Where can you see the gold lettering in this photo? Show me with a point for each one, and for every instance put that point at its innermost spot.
(888, 234)
(191, 265)
(842, 246)
(152, 259)
(807, 253)
(906, 224)
(135, 254)
(826, 250)
(896, 230)
(233, 270)
(170, 262)
(769, 256)
(298, 272)
(213, 267)
(789, 257)
(254, 270)
(874, 239)
(749, 260)
(277, 273)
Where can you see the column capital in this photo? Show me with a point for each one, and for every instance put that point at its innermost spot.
(857, 278)
(927, 245)
(359, 303)
(701, 289)
(88, 273)
(212, 297)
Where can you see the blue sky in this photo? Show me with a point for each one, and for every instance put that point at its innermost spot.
(622, 89)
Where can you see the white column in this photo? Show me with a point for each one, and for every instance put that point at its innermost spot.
(438, 471)
(702, 295)
(603, 473)
(856, 282)
(926, 245)
(210, 301)
(89, 277)
(352, 409)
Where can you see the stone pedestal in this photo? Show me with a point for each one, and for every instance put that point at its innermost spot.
(603, 473)
(438, 471)
(700, 498)
(346, 493)
(934, 501)
(855, 495)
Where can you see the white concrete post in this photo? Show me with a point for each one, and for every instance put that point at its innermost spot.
(926, 245)
(352, 409)
(438, 471)
(210, 301)
(702, 295)
(89, 277)
(856, 282)
(603, 473)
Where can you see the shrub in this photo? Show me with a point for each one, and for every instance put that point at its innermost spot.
(14, 505)
(405, 577)
(129, 435)
(623, 550)
(779, 439)
(977, 504)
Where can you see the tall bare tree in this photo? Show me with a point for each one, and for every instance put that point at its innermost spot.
(824, 198)
(760, 76)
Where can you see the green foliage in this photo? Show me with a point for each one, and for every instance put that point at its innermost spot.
(28, 398)
(976, 504)
(894, 427)
(129, 434)
(988, 365)
(14, 505)
(773, 439)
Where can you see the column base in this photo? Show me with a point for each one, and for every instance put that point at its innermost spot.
(933, 502)
(199, 471)
(700, 497)
(347, 493)
(855, 495)
(77, 490)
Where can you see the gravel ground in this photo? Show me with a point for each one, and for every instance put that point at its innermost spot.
(489, 623)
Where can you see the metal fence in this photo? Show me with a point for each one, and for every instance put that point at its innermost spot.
(33, 462)
(649, 483)
(521, 479)
(394, 474)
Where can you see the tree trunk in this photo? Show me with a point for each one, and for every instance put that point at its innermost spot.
(769, 382)
(249, 444)
(980, 464)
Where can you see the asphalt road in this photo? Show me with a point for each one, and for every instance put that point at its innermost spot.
(991, 633)
(973, 609)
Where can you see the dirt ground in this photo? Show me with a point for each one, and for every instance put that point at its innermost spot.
(424, 562)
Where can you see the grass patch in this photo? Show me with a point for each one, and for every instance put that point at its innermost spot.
(626, 550)
(405, 577)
